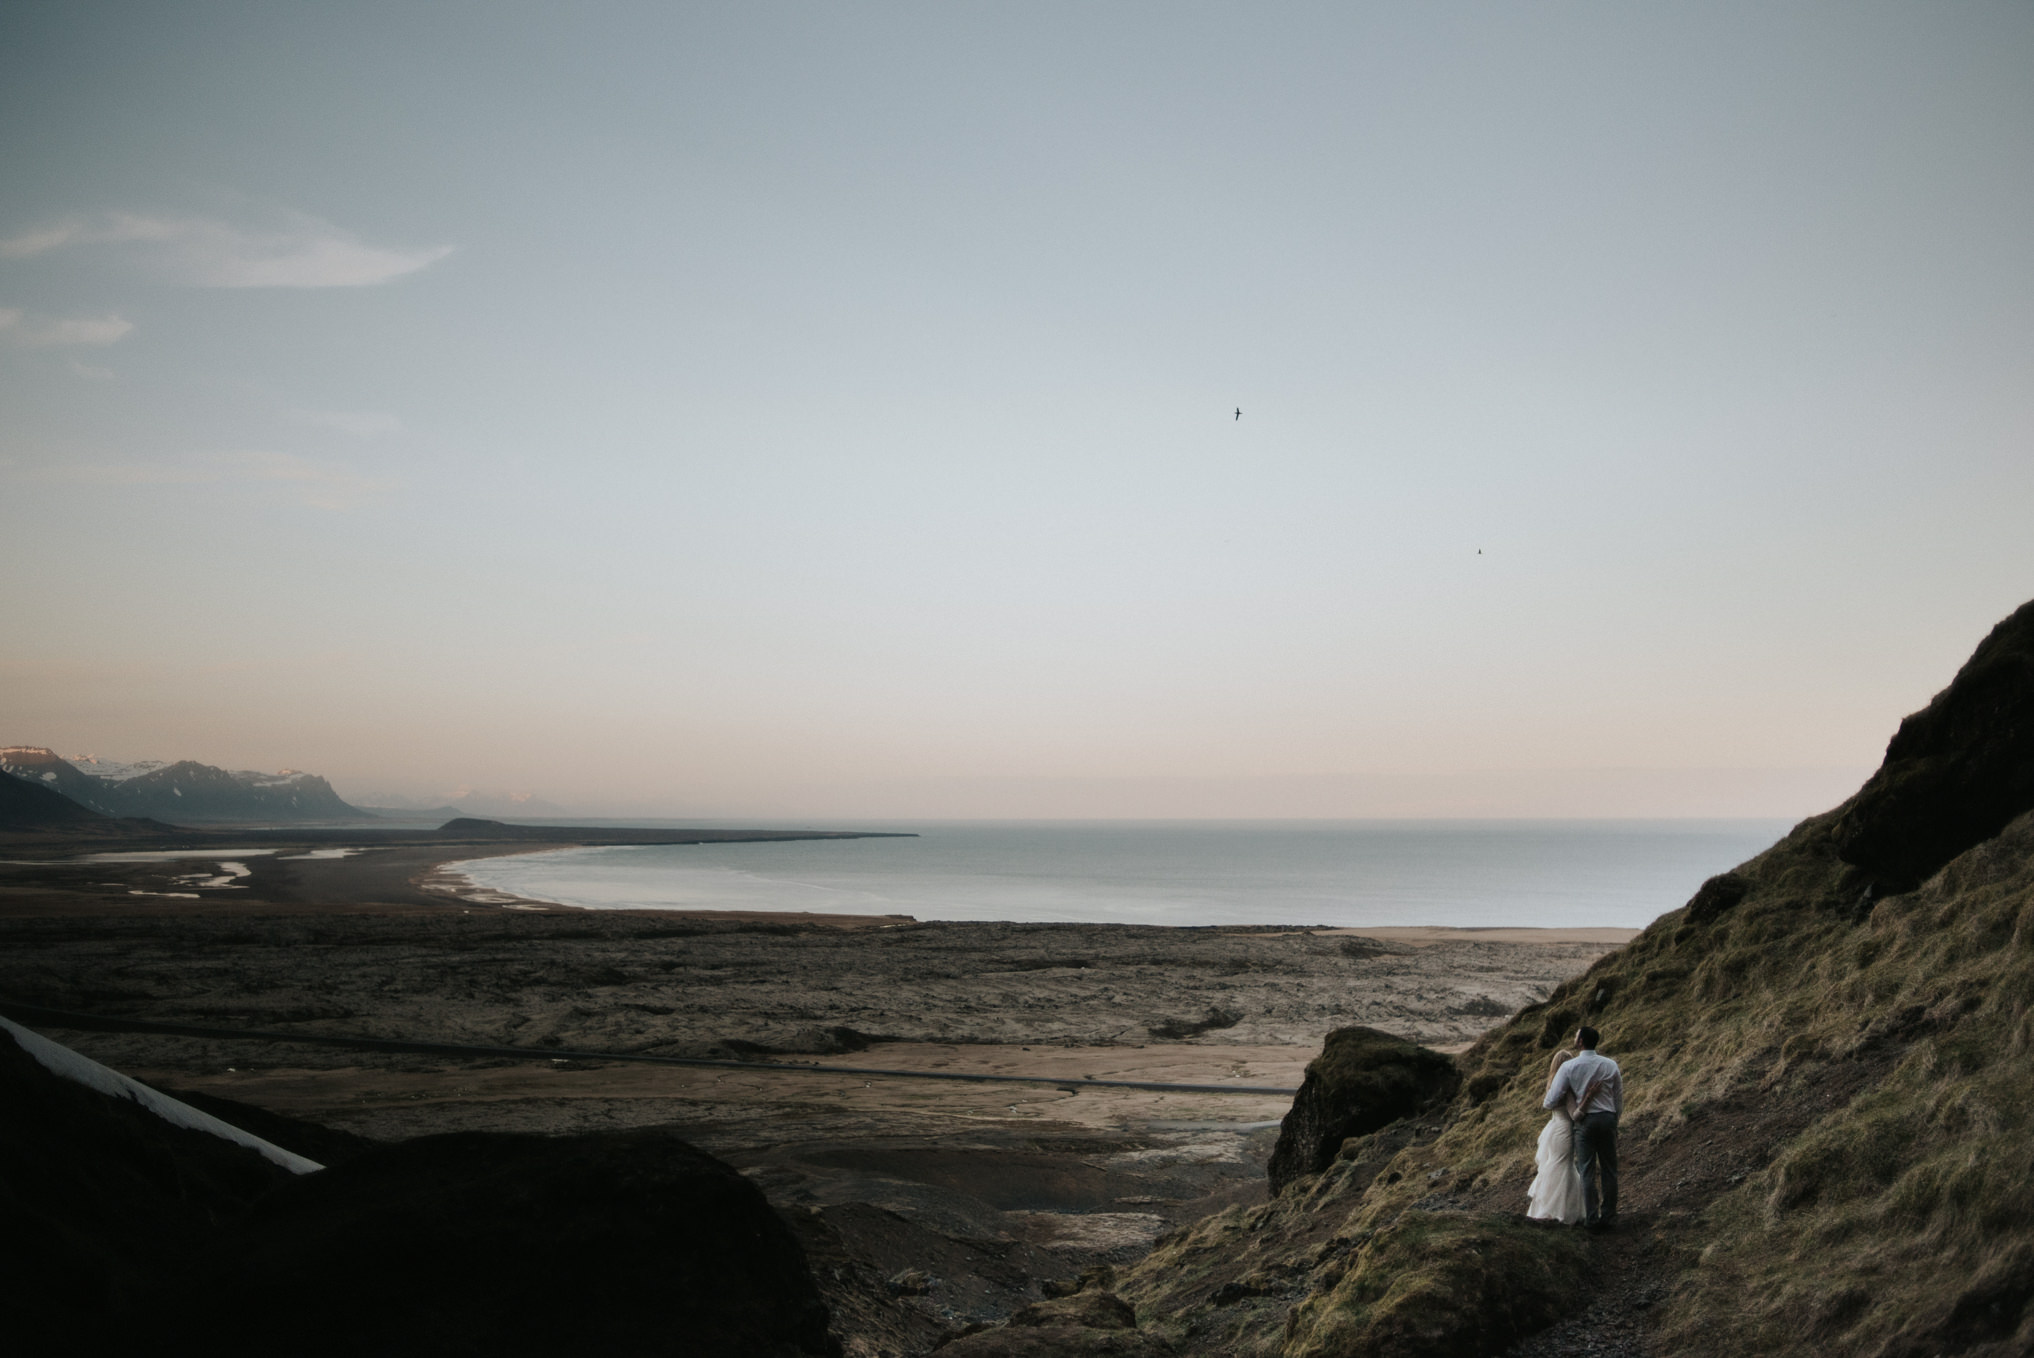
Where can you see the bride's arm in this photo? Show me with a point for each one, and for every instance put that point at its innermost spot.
(1565, 1106)
(1552, 1098)
(1579, 1103)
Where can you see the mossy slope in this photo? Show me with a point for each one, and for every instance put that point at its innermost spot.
(1829, 1132)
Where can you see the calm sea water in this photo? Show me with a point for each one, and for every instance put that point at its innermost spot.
(1460, 873)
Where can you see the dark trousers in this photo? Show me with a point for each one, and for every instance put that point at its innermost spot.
(1596, 1157)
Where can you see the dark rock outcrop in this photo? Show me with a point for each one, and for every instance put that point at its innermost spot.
(127, 1232)
(1362, 1080)
(483, 1243)
(1955, 772)
(98, 1195)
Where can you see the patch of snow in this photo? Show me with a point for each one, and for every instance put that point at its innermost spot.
(62, 1061)
(112, 769)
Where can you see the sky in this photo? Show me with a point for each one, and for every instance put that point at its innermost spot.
(831, 410)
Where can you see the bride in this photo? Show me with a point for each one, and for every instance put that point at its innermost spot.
(1556, 1192)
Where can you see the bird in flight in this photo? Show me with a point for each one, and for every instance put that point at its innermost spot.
(1239, 412)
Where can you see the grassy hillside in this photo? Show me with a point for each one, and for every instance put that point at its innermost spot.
(1828, 1143)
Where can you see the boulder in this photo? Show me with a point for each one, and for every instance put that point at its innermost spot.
(1362, 1080)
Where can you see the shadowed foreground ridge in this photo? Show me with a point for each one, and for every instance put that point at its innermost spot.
(126, 1233)
(488, 1243)
(1826, 1143)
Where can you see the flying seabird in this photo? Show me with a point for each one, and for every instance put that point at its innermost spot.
(1239, 412)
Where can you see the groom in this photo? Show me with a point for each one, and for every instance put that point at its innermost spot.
(1598, 1090)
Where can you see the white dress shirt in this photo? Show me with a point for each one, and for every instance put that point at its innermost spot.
(1577, 1074)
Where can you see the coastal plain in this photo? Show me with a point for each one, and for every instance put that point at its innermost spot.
(1074, 1153)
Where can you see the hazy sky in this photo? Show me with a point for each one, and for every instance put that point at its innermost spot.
(829, 409)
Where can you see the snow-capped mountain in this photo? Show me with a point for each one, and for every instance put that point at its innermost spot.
(111, 769)
(182, 793)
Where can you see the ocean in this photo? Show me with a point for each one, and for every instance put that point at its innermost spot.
(1465, 874)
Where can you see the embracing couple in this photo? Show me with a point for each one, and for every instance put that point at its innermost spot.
(1578, 1148)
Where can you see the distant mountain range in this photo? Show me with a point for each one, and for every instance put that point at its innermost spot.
(190, 793)
(183, 793)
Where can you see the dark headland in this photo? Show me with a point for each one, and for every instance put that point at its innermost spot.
(1828, 1052)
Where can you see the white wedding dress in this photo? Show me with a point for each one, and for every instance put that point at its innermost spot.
(1556, 1192)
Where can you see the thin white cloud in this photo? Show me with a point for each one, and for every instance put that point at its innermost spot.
(35, 242)
(296, 251)
(126, 474)
(365, 424)
(320, 485)
(56, 332)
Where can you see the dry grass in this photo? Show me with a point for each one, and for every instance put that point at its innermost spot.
(1903, 1221)
(1410, 1288)
(1874, 1061)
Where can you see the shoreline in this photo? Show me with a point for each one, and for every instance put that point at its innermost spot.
(462, 888)
(415, 878)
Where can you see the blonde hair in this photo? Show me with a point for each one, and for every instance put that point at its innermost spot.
(1560, 1057)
